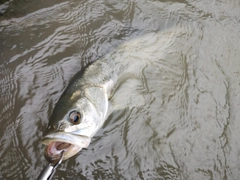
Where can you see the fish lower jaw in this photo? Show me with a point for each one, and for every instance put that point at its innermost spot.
(54, 149)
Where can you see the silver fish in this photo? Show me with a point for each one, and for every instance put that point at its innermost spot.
(83, 107)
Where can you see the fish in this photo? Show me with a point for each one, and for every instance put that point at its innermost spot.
(82, 109)
(84, 105)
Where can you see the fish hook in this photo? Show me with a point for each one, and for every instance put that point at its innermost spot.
(48, 172)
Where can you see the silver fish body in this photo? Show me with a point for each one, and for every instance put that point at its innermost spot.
(86, 100)
(83, 107)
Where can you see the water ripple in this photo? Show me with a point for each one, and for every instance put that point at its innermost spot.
(176, 118)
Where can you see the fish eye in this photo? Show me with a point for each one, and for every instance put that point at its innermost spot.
(75, 117)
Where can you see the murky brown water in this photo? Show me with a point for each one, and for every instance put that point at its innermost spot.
(181, 122)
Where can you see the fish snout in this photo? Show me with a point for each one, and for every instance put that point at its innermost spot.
(61, 126)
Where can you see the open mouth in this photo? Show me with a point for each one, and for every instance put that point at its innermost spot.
(54, 149)
(58, 142)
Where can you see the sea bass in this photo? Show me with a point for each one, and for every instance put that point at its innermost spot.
(83, 107)
(81, 110)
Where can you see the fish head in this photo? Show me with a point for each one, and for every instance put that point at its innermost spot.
(73, 123)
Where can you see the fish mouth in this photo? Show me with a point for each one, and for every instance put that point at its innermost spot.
(54, 149)
(68, 143)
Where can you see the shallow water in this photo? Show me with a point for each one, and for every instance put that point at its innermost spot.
(179, 122)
